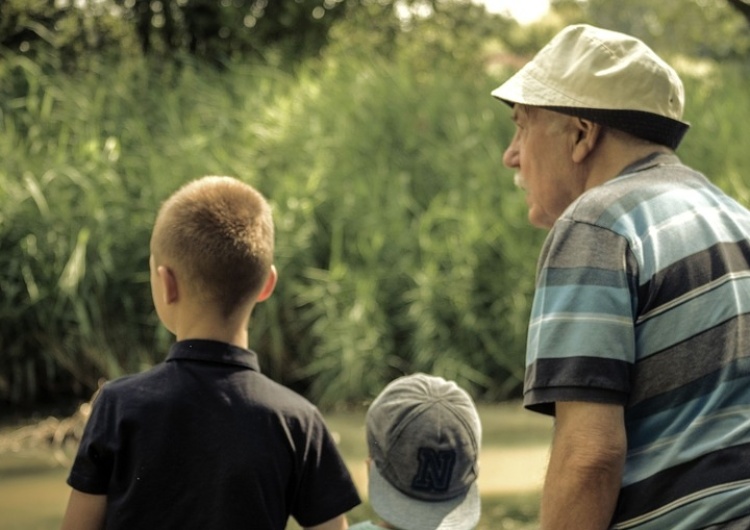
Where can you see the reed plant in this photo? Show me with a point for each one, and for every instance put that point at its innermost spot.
(404, 243)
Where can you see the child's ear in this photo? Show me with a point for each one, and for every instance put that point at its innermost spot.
(269, 286)
(170, 287)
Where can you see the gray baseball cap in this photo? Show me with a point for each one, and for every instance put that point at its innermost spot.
(424, 435)
(604, 76)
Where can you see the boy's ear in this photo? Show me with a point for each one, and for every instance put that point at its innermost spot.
(269, 286)
(170, 287)
(587, 137)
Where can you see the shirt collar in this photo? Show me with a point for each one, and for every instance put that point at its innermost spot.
(212, 351)
(654, 159)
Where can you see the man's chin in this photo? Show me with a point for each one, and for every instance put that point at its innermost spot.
(539, 220)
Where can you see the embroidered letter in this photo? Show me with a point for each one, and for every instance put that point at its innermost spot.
(435, 470)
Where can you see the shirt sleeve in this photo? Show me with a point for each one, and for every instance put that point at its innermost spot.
(581, 339)
(325, 489)
(92, 467)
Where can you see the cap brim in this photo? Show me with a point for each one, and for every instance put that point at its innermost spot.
(401, 511)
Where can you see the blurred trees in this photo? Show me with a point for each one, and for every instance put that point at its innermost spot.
(708, 29)
(213, 29)
(32, 26)
(210, 29)
(220, 30)
(742, 6)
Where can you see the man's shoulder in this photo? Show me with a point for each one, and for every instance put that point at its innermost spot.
(633, 194)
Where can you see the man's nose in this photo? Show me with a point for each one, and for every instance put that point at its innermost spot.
(510, 156)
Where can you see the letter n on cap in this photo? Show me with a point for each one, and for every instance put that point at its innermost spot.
(435, 470)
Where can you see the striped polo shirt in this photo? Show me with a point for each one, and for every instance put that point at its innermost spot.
(643, 299)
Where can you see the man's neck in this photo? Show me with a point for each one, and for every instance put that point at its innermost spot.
(614, 156)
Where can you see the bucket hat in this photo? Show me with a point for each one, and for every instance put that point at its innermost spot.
(604, 76)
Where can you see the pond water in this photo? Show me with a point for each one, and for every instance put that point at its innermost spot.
(33, 492)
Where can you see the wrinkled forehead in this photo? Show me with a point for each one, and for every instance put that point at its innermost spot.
(527, 114)
(524, 112)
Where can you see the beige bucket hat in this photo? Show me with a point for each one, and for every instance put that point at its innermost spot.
(607, 77)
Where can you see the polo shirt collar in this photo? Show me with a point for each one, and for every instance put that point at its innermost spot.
(212, 351)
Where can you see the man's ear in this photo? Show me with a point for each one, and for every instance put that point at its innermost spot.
(587, 136)
(269, 286)
(170, 287)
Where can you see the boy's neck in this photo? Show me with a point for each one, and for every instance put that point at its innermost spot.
(238, 338)
(202, 324)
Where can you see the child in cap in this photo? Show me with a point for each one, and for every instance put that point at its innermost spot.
(423, 437)
(204, 440)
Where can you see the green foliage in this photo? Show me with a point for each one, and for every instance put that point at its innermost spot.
(34, 27)
(415, 237)
(695, 28)
(715, 107)
(84, 169)
(206, 29)
(70, 280)
(401, 246)
(219, 31)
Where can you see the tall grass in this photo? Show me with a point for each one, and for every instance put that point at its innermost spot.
(409, 231)
(86, 161)
(402, 245)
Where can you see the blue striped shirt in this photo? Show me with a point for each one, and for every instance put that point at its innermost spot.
(643, 299)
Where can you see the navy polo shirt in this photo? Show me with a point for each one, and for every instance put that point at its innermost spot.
(204, 440)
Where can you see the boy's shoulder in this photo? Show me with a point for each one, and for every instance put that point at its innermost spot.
(187, 370)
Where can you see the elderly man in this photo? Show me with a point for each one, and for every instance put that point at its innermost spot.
(639, 340)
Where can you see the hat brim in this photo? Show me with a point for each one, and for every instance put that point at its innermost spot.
(525, 89)
(407, 513)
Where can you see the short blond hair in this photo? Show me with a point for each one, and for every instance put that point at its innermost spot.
(218, 233)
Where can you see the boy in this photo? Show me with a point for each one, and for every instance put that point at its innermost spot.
(423, 436)
(203, 440)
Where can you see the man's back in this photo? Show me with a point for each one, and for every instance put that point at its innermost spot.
(657, 250)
